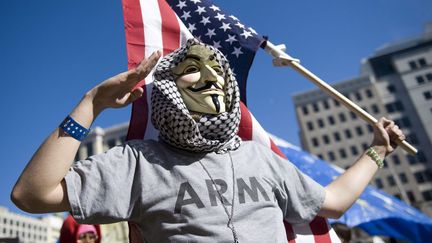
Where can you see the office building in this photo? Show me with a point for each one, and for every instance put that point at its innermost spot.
(28, 229)
(395, 82)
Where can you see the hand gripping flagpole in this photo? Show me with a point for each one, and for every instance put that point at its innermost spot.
(283, 59)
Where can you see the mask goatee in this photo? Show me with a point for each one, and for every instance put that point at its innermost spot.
(216, 102)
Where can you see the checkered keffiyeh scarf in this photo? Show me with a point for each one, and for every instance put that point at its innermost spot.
(211, 133)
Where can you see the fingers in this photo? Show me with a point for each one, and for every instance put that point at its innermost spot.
(135, 94)
(146, 65)
(133, 76)
(396, 133)
(130, 97)
(393, 131)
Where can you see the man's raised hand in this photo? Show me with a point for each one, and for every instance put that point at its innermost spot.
(120, 90)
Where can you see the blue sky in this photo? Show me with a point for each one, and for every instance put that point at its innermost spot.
(52, 52)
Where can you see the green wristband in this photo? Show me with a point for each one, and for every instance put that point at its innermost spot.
(372, 153)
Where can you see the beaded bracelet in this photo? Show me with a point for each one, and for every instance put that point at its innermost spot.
(372, 153)
(74, 129)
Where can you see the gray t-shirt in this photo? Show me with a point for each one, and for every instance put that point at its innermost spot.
(173, 199)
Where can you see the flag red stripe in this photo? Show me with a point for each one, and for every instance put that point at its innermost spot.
(245, 127)
(134, 31)
(320, 230)
(170, 28)
(276, 149)
(289, 232)
(136, 52)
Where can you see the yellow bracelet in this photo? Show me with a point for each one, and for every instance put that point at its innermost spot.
(372, 153)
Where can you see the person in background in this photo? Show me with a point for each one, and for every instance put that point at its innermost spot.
(71, 231)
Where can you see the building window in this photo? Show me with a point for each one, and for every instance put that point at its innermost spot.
(365, 146)
(336, 136)
(326, 139)
(336, 103)
(111, 143)
(422, 62)
(378, 183)
(353, 115)
(305, 110)
(412, 138)
(427, 95)
(411, 159)
(403, 178)
(413, 65)
(369, 128)
(421, 157)
(419, 177)
(358, 96)
(320, 156)
(423, 176)
(359, 130)
(404, 122)
(391, 88)
(395, 106)
(331, 120)
(310, 126)
(331, 156)
(342, 153)
(427, 195)
(429, 76)
(89, 147)
(369, 93)
(347, 133)
(390, 108)
(391, 181)
(354, 150)
(342, 117)
(315, 142)
(411, 196)
(315, 107)
(320, 123)
(420, 80)
(375, 108)
(396, 159)
(325, 104)
(399, 106)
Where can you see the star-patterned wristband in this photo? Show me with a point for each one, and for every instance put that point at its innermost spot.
(75, 130)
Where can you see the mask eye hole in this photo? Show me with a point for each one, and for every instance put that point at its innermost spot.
(218, 70)
(191, 69)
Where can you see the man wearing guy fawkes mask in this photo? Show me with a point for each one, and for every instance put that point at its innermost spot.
(199, 182)
(196, 107)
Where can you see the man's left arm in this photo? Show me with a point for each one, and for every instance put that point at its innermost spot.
(346, 189)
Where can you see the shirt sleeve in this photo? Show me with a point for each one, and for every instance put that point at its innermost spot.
(103, 188)
(299, 196)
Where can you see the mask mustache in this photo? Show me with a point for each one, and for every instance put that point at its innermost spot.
(208, 85)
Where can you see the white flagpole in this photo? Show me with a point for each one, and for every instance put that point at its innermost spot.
(283, 59)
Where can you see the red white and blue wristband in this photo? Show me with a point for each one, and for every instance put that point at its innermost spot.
(74, 129)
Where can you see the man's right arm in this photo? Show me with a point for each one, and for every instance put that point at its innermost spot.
(41, 187)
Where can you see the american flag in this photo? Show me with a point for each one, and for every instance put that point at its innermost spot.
(166, 25)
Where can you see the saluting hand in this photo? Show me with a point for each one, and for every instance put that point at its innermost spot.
(118, 91)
